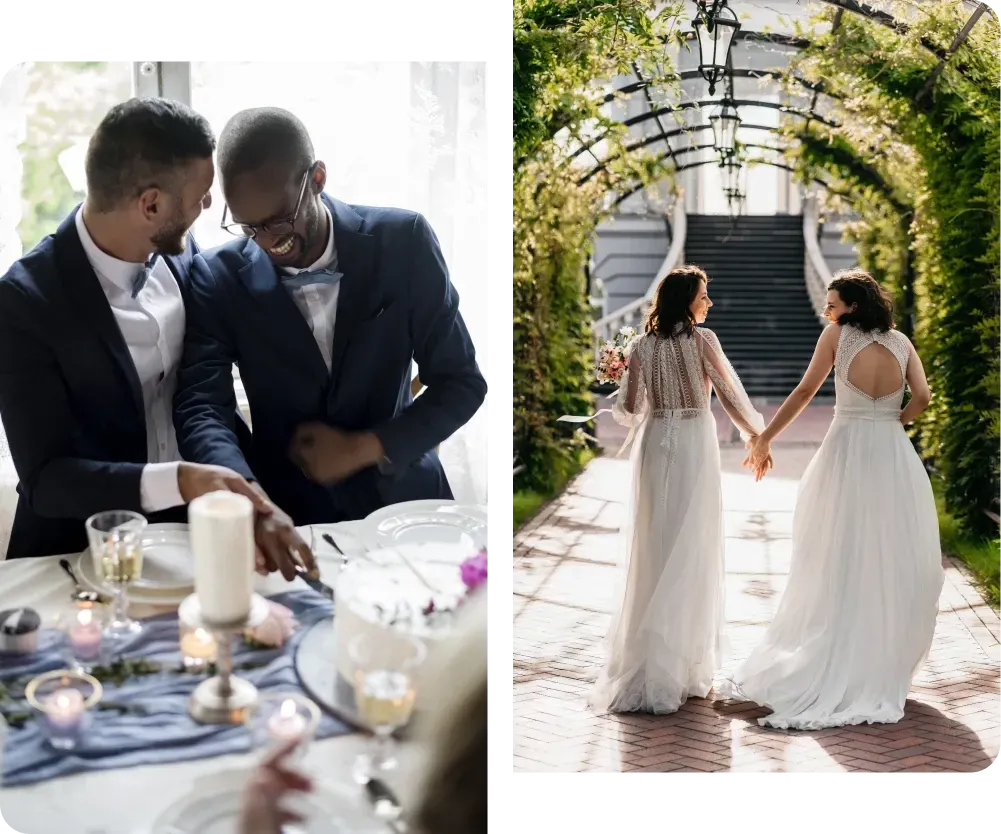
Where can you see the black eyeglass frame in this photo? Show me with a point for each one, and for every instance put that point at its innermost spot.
(276, 228)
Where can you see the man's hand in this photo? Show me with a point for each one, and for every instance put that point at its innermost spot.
(280, 545)
(197, 479)
(327, 455)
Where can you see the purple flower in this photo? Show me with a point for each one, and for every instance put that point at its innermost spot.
(474, 570)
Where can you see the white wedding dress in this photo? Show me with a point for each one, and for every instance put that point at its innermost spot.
(858, 613)
(665, 644)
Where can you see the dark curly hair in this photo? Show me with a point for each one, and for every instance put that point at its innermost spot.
(670, 307)
(873, 305)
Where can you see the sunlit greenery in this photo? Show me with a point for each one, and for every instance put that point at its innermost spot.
(919, 165)
(64, 102)
(563, 51)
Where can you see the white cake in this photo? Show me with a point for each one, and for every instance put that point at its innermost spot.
(221, 526)
(387, 593)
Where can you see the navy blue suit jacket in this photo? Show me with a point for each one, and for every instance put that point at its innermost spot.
(395, 305)
(70, 397)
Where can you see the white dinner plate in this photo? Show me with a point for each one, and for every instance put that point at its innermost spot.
(213, 807)
(168, 564)
(427, 522)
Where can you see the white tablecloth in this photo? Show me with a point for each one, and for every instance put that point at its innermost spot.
(127, 801)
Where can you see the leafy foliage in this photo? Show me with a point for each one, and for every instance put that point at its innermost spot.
(919, 167)
(563, 52)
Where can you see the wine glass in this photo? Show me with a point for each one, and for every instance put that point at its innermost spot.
(116, 547)
(384, 693)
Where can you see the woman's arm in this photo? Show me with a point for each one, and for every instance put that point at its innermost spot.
(918, 383)
(809, 385)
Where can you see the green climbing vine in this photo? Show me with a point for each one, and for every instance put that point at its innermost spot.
(918, 165)
(564, 53)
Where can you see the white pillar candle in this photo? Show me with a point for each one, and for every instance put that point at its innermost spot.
(221, 526)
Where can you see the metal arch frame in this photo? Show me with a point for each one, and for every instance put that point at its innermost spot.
(688, 75)
(636, 189)
(657, 137)
(688, 105)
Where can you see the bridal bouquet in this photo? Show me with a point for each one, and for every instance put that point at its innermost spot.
(612, 356)
(612, 364)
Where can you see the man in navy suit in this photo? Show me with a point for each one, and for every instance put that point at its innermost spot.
(91, 333)
(324, 307)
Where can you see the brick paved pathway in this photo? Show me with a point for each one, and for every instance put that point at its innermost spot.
(566, 579)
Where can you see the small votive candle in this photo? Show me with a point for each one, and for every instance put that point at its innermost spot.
(282, 717)
(287, 724)
(198, 648)
(62, 699)
(85, 636)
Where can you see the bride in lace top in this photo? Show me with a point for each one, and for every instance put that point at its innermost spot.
(857, 616)
(665, 643)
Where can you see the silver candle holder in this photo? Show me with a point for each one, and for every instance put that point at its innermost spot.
(224, 698)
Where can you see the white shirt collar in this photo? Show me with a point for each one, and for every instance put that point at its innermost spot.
(329, 255)
(120, 273)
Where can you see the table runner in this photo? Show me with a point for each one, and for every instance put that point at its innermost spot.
(165, 733)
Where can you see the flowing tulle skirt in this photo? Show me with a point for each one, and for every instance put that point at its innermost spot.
(665, 643)
(858, 613)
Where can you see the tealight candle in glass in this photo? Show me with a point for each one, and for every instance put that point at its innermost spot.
(198, 647)
(61, 699)
(281, 717)
(83, 636)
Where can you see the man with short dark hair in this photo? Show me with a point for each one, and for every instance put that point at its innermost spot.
(91, 332)
(324, 307)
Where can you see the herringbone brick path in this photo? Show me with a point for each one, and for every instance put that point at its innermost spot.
(566, 580)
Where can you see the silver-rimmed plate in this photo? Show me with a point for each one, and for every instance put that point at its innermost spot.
(427, 522)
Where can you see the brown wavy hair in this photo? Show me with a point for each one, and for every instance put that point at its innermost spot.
(873, 305)
(670, 307)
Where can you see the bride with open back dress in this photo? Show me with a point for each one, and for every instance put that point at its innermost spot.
(857, 616)
(664, 645)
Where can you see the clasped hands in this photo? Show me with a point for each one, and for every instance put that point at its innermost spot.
(759, 458)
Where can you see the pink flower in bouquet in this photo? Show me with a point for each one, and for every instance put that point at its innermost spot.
(474, 570)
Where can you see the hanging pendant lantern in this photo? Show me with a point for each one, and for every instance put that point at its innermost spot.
(715, 25)
(724, 122)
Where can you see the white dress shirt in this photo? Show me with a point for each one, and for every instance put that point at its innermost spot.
(153, 327)
(318, 302)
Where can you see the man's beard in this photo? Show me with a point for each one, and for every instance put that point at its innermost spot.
(172, 237)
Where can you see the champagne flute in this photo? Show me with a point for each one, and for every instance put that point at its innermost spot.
(116, 547)
(384, 694)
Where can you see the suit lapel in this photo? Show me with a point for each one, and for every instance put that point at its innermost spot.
(82, 284)
(180, 265)
(283, 322)
(355, 258)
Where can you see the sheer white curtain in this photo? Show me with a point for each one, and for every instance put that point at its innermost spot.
(410, 135)
(13, 126)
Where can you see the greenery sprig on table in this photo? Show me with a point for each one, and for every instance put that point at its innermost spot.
(115, 673)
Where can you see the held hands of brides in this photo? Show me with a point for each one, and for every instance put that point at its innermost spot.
(759, 458)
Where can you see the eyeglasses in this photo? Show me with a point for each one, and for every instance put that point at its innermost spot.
(276, 228)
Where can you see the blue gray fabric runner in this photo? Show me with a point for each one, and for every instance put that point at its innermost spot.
(165, 732)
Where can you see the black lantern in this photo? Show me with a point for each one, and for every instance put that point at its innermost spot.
(724, 121)
(715, 25)
(730, 171)
(734, 200)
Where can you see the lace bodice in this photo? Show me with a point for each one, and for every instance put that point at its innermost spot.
(668, 376)
(850, 400)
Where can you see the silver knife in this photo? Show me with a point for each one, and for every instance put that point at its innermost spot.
(314, 582)
(386, 805)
